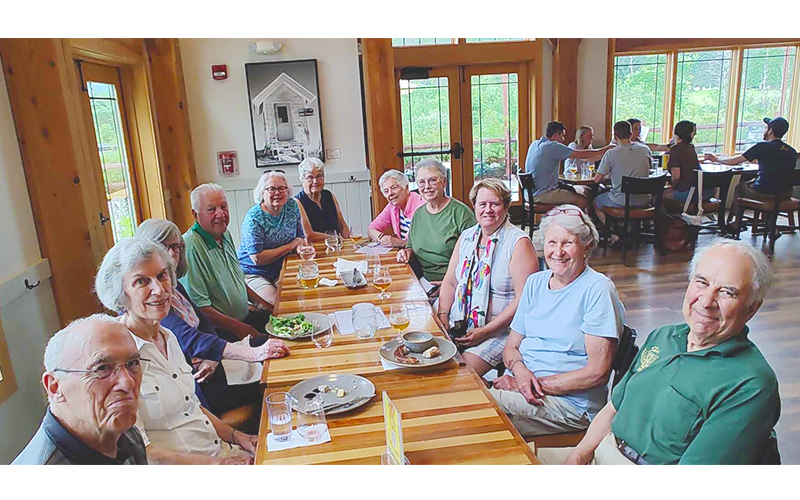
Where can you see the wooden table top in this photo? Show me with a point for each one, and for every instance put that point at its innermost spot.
(448, 414)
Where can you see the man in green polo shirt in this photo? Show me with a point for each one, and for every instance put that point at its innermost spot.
(699, 392)
(214, 279)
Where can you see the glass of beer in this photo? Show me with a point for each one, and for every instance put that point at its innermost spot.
(356, 236)
(399, 318)
(381, 280)
(309, 275)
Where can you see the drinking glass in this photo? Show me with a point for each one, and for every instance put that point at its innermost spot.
(381, 280)
(279, 407)
(333, 242)
(322, 339)
(311, 424)
(356, 236)
(399, 317)
(306, 252)
(309, 275)
(365, 320)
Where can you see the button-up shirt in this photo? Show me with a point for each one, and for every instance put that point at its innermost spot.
(713, 406)
(169, 411)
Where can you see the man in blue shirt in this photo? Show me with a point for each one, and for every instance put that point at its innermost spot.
(776, 160)
(543, 159)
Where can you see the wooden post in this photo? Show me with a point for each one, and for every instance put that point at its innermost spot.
(174, 137)
(565, 83)
(384, 139)
(610, 76)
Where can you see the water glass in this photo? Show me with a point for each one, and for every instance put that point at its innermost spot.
(279, 407)
(311, 423)
(333, 242)
(309, 275)
(365, 320)
(322, 339)
(306, 252)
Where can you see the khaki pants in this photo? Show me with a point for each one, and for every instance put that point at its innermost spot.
(560, 196)
(551, 417)
(605, 454)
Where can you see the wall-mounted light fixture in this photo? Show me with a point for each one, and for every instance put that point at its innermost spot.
(265, 46)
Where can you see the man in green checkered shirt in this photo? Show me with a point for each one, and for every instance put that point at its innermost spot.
(698, 392)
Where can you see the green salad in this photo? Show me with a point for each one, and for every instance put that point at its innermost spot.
(291, 327)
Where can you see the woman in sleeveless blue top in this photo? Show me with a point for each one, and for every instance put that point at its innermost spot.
(319, 204)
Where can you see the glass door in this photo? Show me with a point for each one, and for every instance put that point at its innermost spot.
(105, 116)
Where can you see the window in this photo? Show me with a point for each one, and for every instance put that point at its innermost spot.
(412, 42)
(485, 40)
(765, 91)
(639, 91)
(701, 95)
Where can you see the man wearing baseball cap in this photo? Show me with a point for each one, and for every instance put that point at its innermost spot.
(776, 160)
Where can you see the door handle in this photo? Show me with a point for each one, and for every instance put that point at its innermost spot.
(103, 219)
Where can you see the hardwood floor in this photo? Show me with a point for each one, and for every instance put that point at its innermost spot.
(652, 289)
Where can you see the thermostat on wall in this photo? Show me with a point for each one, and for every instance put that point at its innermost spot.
(219, 71)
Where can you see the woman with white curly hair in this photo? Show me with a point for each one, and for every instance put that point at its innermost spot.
(563, 335)
(317, 203)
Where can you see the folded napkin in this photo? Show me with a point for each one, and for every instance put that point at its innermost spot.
(295, 441)
(374, 250)
(328, 282)
(344, 322)
(348, 265)
(242, 372)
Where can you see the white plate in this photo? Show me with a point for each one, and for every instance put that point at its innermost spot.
(322, 320)
(447, 352)
(355, 386)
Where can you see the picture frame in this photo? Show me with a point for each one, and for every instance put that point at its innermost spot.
(285, 112)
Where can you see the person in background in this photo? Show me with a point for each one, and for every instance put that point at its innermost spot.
(486, 275)
(396, 216)
(636, 139)
(543, 159)
(625, 160)
(682, 164)
(563, 335)
(214, 279)
(135, 280)
(92, 374)
(437, 225)
(699, 392)
(318, 205)
(221, 385)
(271, 230)
(583, 140)
(776, 160)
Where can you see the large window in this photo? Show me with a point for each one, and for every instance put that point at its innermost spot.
(765, 91)
(413, 42)
(639, 91)
(701, 95)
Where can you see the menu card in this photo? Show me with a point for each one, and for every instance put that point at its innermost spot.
(394, 431)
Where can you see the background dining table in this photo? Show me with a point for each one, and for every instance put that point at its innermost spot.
(449, 417)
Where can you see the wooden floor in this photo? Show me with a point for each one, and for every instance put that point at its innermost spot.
(652, 289)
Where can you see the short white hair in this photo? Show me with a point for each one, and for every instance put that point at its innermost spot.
(581, 226)
(159, 231)
(208, 187)
(118, 262)
(763, 275)
(431, 164)
(397, 175)
(309, 164)
(71, 337)
(264, 179)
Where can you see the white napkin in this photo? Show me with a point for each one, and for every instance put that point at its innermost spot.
(348, 265)
(344, 322)
(328, 282)
(374, 250)
(242, 372)
(295, 441)
(387, 366)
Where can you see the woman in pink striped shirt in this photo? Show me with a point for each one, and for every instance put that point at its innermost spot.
(397, 214)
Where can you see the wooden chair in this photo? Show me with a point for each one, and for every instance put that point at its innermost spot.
(531, 208)
(771, 210)
(653, 186)
(623, 357)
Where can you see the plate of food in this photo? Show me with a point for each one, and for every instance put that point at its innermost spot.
(298, 326)
(339, 392)
(395, 352)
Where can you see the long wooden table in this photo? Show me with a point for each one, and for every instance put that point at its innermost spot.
(448, 414)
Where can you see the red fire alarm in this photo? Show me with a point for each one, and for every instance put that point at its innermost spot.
(219, 72)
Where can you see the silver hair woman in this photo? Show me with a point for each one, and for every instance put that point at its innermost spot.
(198, 338)
(318, 205)
(563, 334)
(136, 279)
(391, 226)
(437, 225)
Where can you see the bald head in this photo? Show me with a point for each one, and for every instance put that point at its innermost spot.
(68, 346)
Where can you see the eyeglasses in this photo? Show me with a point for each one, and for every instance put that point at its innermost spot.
(104, 370)
(273, 190)
(175, 247)
(428, 182)
(311, 178)
(565, 211)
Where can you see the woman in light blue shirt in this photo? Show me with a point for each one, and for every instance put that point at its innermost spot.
(563, 335)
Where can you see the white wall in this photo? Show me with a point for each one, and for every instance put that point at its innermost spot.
(28, 317)
(219, 110)
(592, 70)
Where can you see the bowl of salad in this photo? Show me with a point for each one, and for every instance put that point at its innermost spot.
(298, 326)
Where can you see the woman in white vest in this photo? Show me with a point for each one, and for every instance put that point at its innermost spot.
(480, 287)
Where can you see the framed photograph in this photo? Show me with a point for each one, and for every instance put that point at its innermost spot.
(284, 111)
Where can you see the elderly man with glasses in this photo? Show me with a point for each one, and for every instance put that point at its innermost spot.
(92, 376)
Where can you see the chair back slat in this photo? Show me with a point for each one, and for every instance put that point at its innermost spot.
(626, 353)
(643, 185)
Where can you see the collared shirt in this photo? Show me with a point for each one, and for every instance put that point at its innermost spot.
(169, 411)
(213, 274)
(776, 160)
(53, 444)
(713, 406)
(542, 160)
